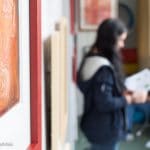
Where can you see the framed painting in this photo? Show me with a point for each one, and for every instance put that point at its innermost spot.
(93, 12)
(20, 75)
(9, 55)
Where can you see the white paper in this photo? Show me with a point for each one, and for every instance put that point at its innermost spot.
(139, 81)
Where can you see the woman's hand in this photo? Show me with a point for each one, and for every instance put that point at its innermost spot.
(139, 96)
(128, 96)
(136, 96)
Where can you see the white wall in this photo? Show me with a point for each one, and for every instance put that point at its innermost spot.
(15, 124)
(72, 101)
(84, 41)
(51, 13)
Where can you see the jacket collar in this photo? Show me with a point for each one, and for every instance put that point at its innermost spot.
(92, 65)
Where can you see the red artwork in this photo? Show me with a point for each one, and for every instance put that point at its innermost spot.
(9, 68)
(96, 10)
(93, 12)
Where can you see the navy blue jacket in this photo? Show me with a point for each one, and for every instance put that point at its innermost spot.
(103, 120)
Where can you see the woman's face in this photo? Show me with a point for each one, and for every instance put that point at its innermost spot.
(121, 41)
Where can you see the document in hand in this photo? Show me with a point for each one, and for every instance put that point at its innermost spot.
(139, 81)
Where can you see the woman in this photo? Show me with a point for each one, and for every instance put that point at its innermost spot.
(101, 80)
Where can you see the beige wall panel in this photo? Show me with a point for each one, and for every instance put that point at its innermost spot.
(55, 90)
(62, 28)
(59, 101)
(143, 29)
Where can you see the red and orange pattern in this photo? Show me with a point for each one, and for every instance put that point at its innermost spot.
(9, 55)
(95, 11)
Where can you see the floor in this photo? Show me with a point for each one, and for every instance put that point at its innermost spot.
(137, 144)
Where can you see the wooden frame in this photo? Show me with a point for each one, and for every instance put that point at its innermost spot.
(35, 74)
(93, 12)
(72, 16)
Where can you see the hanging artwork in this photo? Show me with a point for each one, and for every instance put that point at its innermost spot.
(93, 12)
(9, 63)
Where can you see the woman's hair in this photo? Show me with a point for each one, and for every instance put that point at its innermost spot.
(107, 35)
(106, 44)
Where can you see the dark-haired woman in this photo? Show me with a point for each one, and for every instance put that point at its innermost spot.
(101, 80)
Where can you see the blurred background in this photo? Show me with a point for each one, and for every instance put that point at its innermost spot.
(68, 30)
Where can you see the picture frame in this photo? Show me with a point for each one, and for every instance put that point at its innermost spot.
(35, 75)
(72, 17)
(93, 12)
(23, 115)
